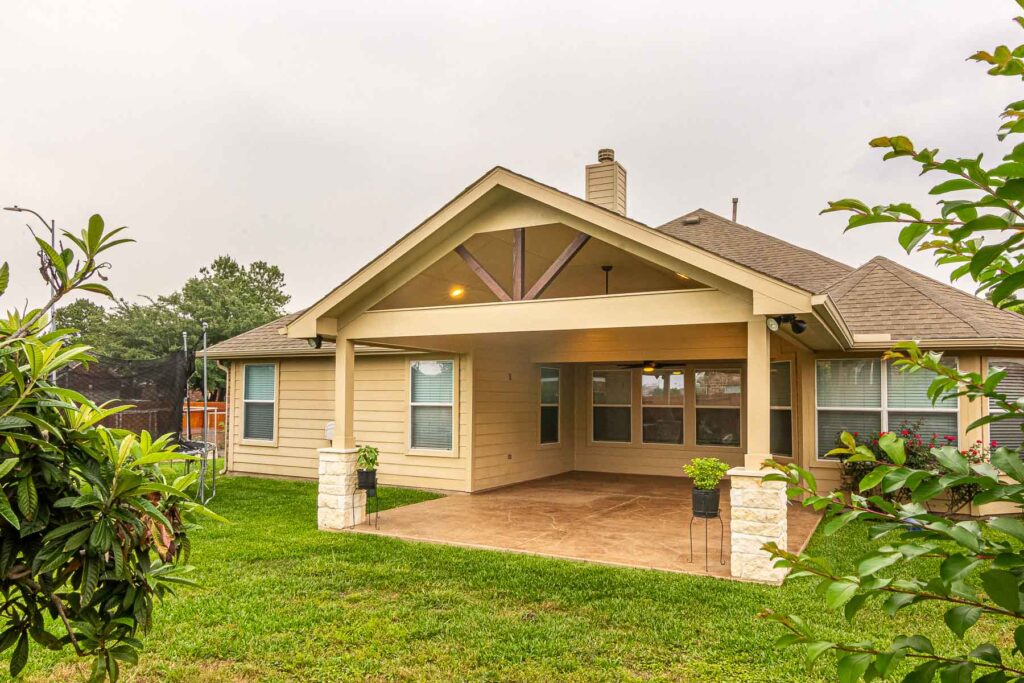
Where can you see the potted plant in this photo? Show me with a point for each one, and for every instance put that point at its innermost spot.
(706, 473)
(367, 467)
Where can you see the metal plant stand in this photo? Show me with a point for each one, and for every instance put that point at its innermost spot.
(721, 538)
(371, 494)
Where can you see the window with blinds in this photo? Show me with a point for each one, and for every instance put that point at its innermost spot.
(781, 399)
(867, 396)
(612, 400)
(550, 401)
(431, 405)
(1007, 432)
(661, 397)
(718, 401)
(258, 395)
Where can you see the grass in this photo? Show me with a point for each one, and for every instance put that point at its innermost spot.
(282, 601)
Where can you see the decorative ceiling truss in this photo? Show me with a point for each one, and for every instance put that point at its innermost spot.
(519, 290)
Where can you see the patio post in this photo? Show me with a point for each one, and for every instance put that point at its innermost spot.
(340, 504)
(758, 508)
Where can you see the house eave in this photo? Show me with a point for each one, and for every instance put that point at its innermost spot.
(980, 343)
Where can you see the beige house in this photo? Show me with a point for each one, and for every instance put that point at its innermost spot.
(521, 332)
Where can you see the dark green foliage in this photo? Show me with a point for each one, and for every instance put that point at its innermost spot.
(91, 531)
(229, 297)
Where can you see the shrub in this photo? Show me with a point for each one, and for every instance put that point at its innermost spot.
(91, 529)
(706, 473)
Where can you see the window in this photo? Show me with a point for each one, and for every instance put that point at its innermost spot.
(781, 423)
(661, 396)
(613, 405)
(867, 396)
(718, 399)
(258, 395)
(431, 395)
(550, 392)
(1007, 432)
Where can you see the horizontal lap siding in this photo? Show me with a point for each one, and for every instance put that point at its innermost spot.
(506, 408)
(380, 418)
(305, 406)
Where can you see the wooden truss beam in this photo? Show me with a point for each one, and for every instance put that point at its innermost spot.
(518, 263)
(482, 273)
(557, 267)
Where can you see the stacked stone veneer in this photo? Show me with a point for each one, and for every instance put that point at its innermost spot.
(757, 516)
(340, 504)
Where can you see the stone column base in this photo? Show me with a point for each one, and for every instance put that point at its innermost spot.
(758, 516)
(340, 504)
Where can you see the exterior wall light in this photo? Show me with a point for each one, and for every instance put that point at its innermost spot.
(795, 324)
(315, 342)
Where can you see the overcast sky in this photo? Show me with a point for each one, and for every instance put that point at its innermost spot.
(312, 134)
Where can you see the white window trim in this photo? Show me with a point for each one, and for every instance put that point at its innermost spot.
(883, 408)
(455, 399)
(594, 405)
(792, 423)
(558, 405)
(697, 406)
(681, 407)
(277, 384)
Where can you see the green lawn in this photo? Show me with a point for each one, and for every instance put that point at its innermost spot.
(281, 601)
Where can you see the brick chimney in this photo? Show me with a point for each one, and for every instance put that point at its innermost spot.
(606, 182)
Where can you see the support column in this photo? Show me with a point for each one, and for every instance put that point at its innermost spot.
(758, 508)
(340, 504)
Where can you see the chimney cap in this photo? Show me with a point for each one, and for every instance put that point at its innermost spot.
(606, 154)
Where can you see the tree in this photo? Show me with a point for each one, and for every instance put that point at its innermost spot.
(81, 314)
(91, 528)
(229, 297)
(980, 575)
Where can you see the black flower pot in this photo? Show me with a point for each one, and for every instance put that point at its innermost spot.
(705, 503)
(367, 479)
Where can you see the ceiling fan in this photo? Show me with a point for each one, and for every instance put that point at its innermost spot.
(651, 366)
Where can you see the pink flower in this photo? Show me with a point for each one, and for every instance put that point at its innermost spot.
(949, 437)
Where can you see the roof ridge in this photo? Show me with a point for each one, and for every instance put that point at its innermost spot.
(901, 272)
(847, 266)
(854, 277)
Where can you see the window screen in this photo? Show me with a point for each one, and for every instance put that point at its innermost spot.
(612, 405)
(1007, 432)
(718, 397)
(258, 402)
(781, 423)
(550, 395)
(432, 394)
(662, 396)
(867, 396)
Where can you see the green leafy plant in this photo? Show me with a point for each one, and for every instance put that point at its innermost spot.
(91, 529)
(918, 448)
(980, 574)
(976, 570)
(368, 456)
(707, 473)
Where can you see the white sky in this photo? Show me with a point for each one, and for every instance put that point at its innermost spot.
(312, 134)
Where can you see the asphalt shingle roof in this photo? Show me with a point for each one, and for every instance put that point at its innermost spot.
(883, 296)
(266, 338)
(756, 250)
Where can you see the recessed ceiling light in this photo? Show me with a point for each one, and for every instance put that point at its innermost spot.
(457, 291)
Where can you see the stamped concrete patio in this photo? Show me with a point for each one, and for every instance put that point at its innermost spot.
(617, 519)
